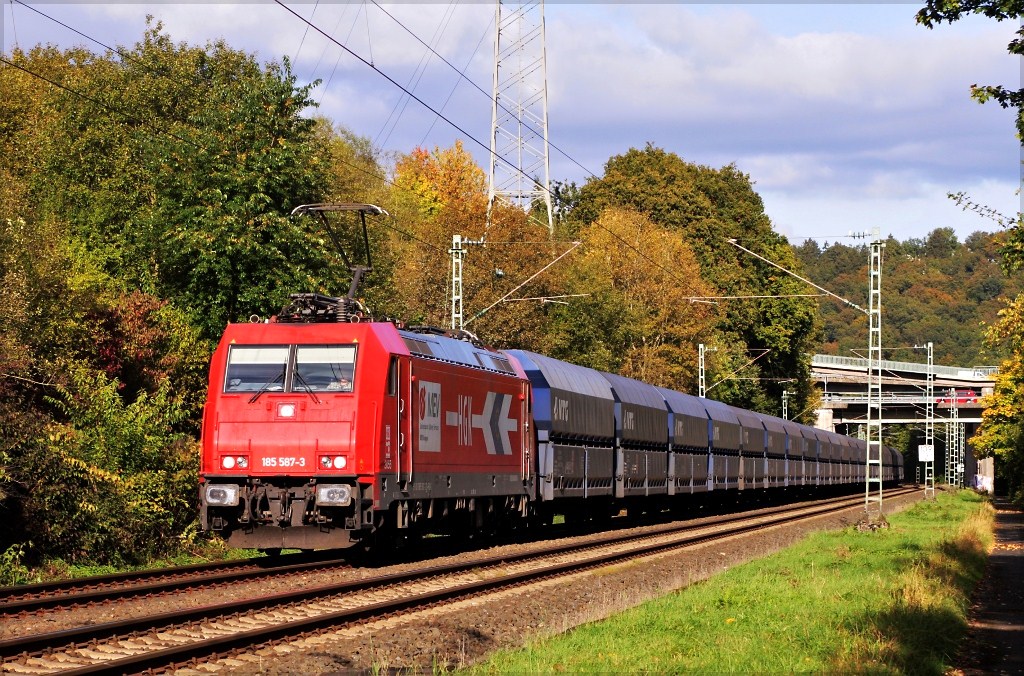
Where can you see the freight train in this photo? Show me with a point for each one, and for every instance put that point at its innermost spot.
(324, 431)
(320, 434)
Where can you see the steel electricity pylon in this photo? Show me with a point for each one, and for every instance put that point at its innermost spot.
(519, 172)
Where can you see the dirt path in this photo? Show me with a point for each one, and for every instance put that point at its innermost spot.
(995, 639)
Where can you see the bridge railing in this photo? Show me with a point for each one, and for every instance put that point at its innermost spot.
(972, 401)
(858, 363)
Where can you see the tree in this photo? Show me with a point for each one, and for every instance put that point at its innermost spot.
(634, 318)
(436, 195)
(707, 207)
(1001, 434)
(144, 201)
(177, 167)
(939, 11)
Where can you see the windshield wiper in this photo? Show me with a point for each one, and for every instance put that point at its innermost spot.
(309, 390)
(266, 386)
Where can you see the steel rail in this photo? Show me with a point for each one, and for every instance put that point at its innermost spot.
(67, 592)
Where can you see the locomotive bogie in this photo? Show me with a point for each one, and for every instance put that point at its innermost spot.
(277, 513)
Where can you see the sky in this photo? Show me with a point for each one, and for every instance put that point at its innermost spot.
(847, 117)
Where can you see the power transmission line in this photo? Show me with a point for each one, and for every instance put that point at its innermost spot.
(387, 77)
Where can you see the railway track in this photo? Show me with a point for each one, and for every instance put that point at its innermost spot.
(158, 642)
(92, 591)
(99, 589)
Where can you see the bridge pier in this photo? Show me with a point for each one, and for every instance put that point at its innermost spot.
(825, 419)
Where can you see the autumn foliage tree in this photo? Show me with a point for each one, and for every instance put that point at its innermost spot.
(706, 208)
(635, 314)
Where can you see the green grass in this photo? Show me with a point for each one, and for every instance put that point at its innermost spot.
(885, 602)
(13, 572)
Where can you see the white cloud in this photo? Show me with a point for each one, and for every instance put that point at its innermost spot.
(832, 214)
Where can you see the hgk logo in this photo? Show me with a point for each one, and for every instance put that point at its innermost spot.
(465, 418)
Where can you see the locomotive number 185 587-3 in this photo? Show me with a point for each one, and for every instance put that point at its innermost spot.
(284, 462)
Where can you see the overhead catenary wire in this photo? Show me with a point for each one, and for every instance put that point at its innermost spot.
(481, 313)
(730, 376)
(790, 272)
(755, 297)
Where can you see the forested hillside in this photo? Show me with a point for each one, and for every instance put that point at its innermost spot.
(933, 289)
(145, 200)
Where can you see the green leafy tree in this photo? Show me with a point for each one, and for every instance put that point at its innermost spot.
(145, 199)
(110, 482)
(1001, 434)
(634, 317)
(177, 167)
(707, 208)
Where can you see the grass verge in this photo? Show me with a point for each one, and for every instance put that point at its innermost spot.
(13, 572)
(891, 601)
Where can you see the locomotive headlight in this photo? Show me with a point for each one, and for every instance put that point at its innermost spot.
(233, 461)
(222, 495)
(333, 495)
(333, 462)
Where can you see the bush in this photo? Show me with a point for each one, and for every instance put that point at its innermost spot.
(112, 482)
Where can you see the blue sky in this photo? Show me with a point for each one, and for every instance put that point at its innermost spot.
(846, 116)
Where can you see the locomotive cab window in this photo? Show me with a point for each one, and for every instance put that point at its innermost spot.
(324, 368)
(252, 368)
(393, 377)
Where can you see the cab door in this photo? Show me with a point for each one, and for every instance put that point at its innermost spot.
(401, 380)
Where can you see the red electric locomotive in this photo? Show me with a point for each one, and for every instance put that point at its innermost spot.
(317, 434)
(321, 429)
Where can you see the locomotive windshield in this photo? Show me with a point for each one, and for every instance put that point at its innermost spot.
(255, 367)
(323, 368)
(295, 368)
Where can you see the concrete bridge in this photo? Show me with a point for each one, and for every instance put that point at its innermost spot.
(843, 383)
